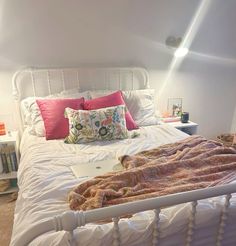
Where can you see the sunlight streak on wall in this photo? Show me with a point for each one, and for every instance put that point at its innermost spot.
(187, 40)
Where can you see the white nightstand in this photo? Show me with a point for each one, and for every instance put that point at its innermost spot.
(189, 128)
(9, 158)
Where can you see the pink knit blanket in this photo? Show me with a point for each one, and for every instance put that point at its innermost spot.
(186, 165)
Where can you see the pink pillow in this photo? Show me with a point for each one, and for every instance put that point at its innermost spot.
(111, 100)
(52, 111)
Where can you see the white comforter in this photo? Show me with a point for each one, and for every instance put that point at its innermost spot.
(44, 179)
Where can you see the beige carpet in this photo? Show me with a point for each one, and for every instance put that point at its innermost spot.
(7, 207)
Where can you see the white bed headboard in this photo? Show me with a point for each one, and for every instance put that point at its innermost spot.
(43, 82)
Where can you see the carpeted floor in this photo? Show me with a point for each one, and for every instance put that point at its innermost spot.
(7, 206)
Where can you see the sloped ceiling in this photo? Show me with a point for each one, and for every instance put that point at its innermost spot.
(62, 32)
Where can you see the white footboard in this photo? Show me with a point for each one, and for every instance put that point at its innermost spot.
(70, 220)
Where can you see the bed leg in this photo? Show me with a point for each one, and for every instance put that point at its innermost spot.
(191, 223)
(156, 231)
(223, 219)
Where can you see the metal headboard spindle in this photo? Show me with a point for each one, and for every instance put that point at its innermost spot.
(49, 84)
(119, 80)
(78, 80)
(33, 82)
(63, 79)
(132, 74)
(106, 80)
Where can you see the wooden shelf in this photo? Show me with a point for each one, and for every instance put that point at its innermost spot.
(10, 190)
(11, 175)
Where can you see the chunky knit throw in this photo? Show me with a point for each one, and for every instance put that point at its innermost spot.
(190, 164)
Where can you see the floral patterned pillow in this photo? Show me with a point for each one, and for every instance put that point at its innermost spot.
(100, 124)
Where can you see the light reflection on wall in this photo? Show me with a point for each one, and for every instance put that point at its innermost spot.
(187, 40)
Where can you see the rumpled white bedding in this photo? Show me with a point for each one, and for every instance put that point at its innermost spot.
(44, 179)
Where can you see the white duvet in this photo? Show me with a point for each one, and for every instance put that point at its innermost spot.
(44, 179)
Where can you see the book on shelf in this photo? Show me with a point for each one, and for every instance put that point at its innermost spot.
(170, 119)
(4, 162)
(10, 168)
(8, 158)
(13, 161)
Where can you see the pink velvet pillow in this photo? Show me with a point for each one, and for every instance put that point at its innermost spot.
(52, 111)
(111, 100)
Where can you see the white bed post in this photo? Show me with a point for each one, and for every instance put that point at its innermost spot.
(156, 231)
(69, 221)
(191, 223)
(223, 218)
(116, 231)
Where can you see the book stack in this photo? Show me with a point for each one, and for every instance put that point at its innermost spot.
(2, 128)
(8, 159)
(171, 119)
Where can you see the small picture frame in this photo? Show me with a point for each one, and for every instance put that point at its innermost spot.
(175, 106)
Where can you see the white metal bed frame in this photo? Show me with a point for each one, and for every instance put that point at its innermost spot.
(69, 221)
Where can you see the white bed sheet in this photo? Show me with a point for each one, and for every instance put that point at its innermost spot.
(44, 179)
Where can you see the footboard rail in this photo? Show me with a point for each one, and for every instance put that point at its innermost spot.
(69, 221)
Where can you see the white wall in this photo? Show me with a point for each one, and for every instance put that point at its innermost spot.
(130, 33)
(7, 106)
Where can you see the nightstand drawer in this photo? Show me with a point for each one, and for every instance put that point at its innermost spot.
(188, 130)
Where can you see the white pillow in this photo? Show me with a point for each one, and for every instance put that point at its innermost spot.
(32, 115)
(140, 103)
